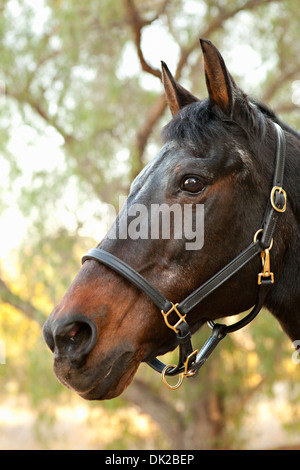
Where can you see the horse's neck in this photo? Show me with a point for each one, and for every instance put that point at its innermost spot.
(284, 299)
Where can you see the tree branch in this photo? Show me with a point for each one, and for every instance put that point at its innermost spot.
(137, 24)
(153, 116)
(24, 306)
(158, 108)
(88, 169)
(285, 76)
(215, 25)
(36, 106)
(286, 108)
(160, 410)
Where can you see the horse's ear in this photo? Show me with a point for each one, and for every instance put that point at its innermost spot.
(177, 96)
(221, 86)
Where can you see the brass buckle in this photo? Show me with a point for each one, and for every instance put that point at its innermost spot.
(181, 317)
(281, 191)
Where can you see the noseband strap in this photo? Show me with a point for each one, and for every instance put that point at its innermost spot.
(116, 264)
(191, 360)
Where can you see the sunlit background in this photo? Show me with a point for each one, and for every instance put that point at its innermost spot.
(80, 115)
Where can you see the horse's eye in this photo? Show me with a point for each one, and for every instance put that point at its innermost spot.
(192, 184)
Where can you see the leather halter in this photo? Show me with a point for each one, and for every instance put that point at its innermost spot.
(191, 360)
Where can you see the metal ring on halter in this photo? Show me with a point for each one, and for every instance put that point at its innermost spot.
(256, 235)
(180, 380)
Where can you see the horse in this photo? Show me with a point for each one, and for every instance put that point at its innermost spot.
(218, 153)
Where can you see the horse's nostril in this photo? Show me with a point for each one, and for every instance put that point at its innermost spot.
(73, 337)
(74, 331)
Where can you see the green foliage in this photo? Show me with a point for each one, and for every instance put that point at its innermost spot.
(74, 103)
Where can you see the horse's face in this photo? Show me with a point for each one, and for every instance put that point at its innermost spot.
(104, 327)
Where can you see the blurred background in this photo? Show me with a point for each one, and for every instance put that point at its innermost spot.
(81, 109)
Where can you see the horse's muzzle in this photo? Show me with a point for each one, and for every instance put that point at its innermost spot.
(71, 338)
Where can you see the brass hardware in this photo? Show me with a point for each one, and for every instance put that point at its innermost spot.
(266, 272)
(265, 258)
(281, 191)
(186, 373)
(171, 387)
(181, 317)
(256, 235)
(255, 238)
(190, 373)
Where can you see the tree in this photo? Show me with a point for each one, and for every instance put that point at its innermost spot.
(67, 78)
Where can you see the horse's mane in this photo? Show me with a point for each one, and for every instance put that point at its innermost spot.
(198, 120)
(192, 124)
(269, 113)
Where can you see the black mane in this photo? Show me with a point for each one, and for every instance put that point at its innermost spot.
(269, 113)
(193, 123)
(199, 120)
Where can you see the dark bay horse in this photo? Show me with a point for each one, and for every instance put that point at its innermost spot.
(218, 154)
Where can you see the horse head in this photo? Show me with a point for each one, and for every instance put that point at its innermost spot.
(212, 177)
